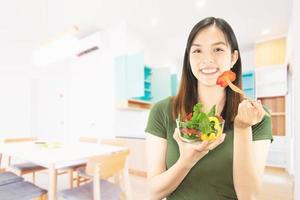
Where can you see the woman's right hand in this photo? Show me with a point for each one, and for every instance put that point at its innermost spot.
(190, 154)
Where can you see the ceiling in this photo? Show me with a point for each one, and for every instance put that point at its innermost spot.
(163, 26)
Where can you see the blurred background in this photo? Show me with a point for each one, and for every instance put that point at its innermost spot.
(94, 68)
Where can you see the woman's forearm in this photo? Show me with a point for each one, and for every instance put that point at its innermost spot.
(165, 183)
(246, 180)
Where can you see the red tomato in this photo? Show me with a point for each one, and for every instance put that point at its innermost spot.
(227, 75)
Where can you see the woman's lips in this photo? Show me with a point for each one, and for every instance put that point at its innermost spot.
(209, 71)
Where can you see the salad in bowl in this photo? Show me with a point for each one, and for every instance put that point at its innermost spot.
(199, 126)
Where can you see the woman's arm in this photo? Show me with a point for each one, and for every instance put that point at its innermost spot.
(249, 157)
(162, 182)
(248, 163)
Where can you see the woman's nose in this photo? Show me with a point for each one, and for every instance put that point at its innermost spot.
(207, 61)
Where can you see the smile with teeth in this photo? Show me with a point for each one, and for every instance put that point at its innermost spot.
(209, 70)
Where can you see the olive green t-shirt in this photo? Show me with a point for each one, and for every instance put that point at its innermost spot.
(212, 176)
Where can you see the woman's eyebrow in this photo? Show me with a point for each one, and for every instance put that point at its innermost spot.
(213, 44)
(198, 45)
(218, 43)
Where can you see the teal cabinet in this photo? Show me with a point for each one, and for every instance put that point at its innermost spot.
(248, 81)
(129, 76)
(174, 84)
(136, 81)
(161, 84)
(147, 82)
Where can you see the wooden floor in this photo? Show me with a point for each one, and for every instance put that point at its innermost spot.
(278, 185)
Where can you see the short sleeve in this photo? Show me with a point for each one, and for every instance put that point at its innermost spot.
(156, 124)
(263, 130)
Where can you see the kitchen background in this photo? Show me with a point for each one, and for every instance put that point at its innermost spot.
(94, 68)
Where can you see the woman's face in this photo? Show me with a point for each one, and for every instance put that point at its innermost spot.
(210, 55)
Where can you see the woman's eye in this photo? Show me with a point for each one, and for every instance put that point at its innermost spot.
(197, 51)
(218, 50)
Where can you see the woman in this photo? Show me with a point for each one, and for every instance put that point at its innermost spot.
(230, 167)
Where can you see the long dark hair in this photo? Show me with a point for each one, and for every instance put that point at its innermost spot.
(188, 90)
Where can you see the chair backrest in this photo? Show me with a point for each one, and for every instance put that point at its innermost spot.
(13, 140)
(107, 166)
(110, 165)
(1, 169)
(88, 139)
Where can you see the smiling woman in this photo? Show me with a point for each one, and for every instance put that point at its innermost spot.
(227, 168)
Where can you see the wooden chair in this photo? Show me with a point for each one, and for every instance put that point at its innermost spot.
(88, 140)
(1, 169)
(101, 168)
(13, 187)
(70, 170)
(26, 167)
(81, 171)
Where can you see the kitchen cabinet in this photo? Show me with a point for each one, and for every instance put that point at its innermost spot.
(278, 152)
(276, 106)
(132, 82)
(174, 84)
(270, 52)
(249, 84)
(271, 89)
(138, 85)
(147, 95)
(271, 81)
(157, 84)
(161, 83)
(129, 71)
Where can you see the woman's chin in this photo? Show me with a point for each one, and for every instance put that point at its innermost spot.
(208, 83)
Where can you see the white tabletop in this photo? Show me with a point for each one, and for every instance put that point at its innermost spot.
(67, 154)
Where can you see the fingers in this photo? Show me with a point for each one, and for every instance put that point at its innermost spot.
(176, 136)
(253, 106)
(203, 146)
(217, 142)
(259, 109)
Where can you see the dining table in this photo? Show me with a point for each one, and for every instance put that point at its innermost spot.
(56, 155)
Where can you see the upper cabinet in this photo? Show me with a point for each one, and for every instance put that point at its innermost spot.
(138, 85)
(271, 89)
(270, 68)
(271, 52)
(129, 71)
(174, 84)
(248, 81)
(161, 83)
(271, 81)
(147, 82)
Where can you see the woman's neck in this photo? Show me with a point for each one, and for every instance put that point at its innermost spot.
(212, 95)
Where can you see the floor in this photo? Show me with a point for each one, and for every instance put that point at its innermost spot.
(278, 185)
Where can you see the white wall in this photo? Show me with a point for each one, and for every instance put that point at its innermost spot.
(76, 95)
(295, 61)
(92, 99)
(51, 100)
(248, 59)
(19, 32)
(131, 123)
(15, 103)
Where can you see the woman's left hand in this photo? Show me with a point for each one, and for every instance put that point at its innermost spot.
(249, 113)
